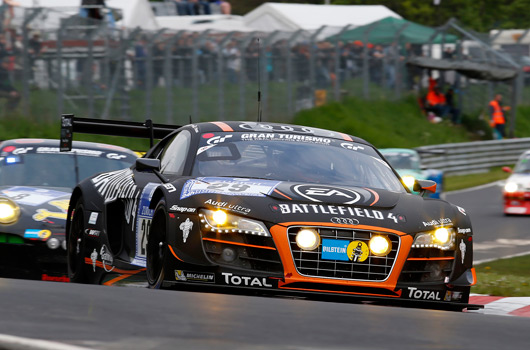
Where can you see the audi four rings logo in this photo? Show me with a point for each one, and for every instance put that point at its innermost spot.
(318, 193)
(344, 221)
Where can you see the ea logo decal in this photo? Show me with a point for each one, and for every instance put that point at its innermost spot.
(317, 193)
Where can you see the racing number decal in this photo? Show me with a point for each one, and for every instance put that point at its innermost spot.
(145, 226)
(232, 187)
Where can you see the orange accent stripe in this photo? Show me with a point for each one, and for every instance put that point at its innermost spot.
(342, 292)
(376, 195)
(346, 137)
(122, 277)
(474, 276)
(237, 243)
(440, 258)
(173, 252)
(286, 196)
(223, 126)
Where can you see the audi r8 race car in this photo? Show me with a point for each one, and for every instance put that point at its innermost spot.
(407, 162)
(269, 207)
(36, 181)
(516, 191)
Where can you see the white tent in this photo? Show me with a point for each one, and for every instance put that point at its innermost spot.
(292, 17)
(218, 23)
(136, 13)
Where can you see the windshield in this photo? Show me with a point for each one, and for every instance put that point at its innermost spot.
(55, 169)
(523, 165)
(295, 158)
(403, 160)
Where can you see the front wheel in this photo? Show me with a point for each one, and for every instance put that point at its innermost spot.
(157, 247)
(76, 245)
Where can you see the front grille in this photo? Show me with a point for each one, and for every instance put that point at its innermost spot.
(310, 263)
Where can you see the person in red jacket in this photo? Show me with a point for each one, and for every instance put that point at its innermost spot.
(498, 120)
(435, 100)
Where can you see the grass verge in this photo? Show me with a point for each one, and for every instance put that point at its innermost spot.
(504, 277)
(459, 182)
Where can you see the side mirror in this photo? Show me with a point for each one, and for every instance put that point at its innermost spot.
(143, 164)
(423, 186)
(507, 169)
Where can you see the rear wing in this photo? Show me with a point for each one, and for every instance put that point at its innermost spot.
(71, 124)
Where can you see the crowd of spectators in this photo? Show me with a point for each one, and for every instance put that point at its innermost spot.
(201, 7)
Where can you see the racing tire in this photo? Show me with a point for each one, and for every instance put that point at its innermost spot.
(157, 249)
(77, 271)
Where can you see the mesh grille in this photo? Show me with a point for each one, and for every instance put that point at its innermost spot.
(310, 263)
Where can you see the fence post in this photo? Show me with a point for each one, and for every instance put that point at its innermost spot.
(221, 76)
(289, 43)
(337, 62)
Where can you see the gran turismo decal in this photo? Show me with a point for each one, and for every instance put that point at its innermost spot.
(416, 293)
(116, 156)
(234, 280)
(440, 222)
(178, 209)
(286, 137)
(78, 151)
(225, 205)
(214, 140)
(186, 227)
(187, 276)
(351, 146)
(228, 186)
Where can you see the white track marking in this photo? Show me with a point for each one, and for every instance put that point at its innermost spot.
(20, 343)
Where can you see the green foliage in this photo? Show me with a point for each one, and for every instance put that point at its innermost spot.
(458, 182)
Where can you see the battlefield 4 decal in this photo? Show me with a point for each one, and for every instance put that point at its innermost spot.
(440, 222)
(106, 258)
(416, 293)
(225, 205)
(235, 280)
(186, 227)
(188, 276)
(228, 186)
(336, 210)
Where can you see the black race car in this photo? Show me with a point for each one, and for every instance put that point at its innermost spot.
(269, 207)
(36, 181)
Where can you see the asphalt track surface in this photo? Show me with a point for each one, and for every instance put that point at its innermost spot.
(100, 317)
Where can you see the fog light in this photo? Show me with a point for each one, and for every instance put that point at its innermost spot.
(53, 243)
(442, 235)
(228, 255)
(307, 239)
(380, 245)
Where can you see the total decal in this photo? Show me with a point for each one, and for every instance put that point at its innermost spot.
(144, 217)
(231, 207)
(228, 186)
(236, 280)
(415, 293)
(188, 276)
(439, 222)
(355, 212)
(285, 137)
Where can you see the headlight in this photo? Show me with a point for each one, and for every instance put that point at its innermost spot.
(221, 221)
(9, 211)
(511, 187)
(409, 181)
(380, 245)
(442, 238)
(307, 239)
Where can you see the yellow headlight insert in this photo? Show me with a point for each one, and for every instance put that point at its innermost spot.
(442, 235)
(219, 217)
(380, 245)
(307, 239)
(9, 211)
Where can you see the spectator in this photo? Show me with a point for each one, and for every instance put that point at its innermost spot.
(182, 7)
(498, 120)
(450, 101)
(7, 12)
(225, 7)
(233, 61)
(7, 90)
(435, 99)
(35, 49)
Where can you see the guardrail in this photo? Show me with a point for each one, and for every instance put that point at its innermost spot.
(473, 157)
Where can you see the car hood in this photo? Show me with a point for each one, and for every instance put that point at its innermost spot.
(288, 203)
(521, 179)
(40, 209)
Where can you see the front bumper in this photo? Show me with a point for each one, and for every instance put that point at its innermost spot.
(517, 203)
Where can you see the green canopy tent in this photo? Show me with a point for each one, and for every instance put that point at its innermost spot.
(385, 31)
